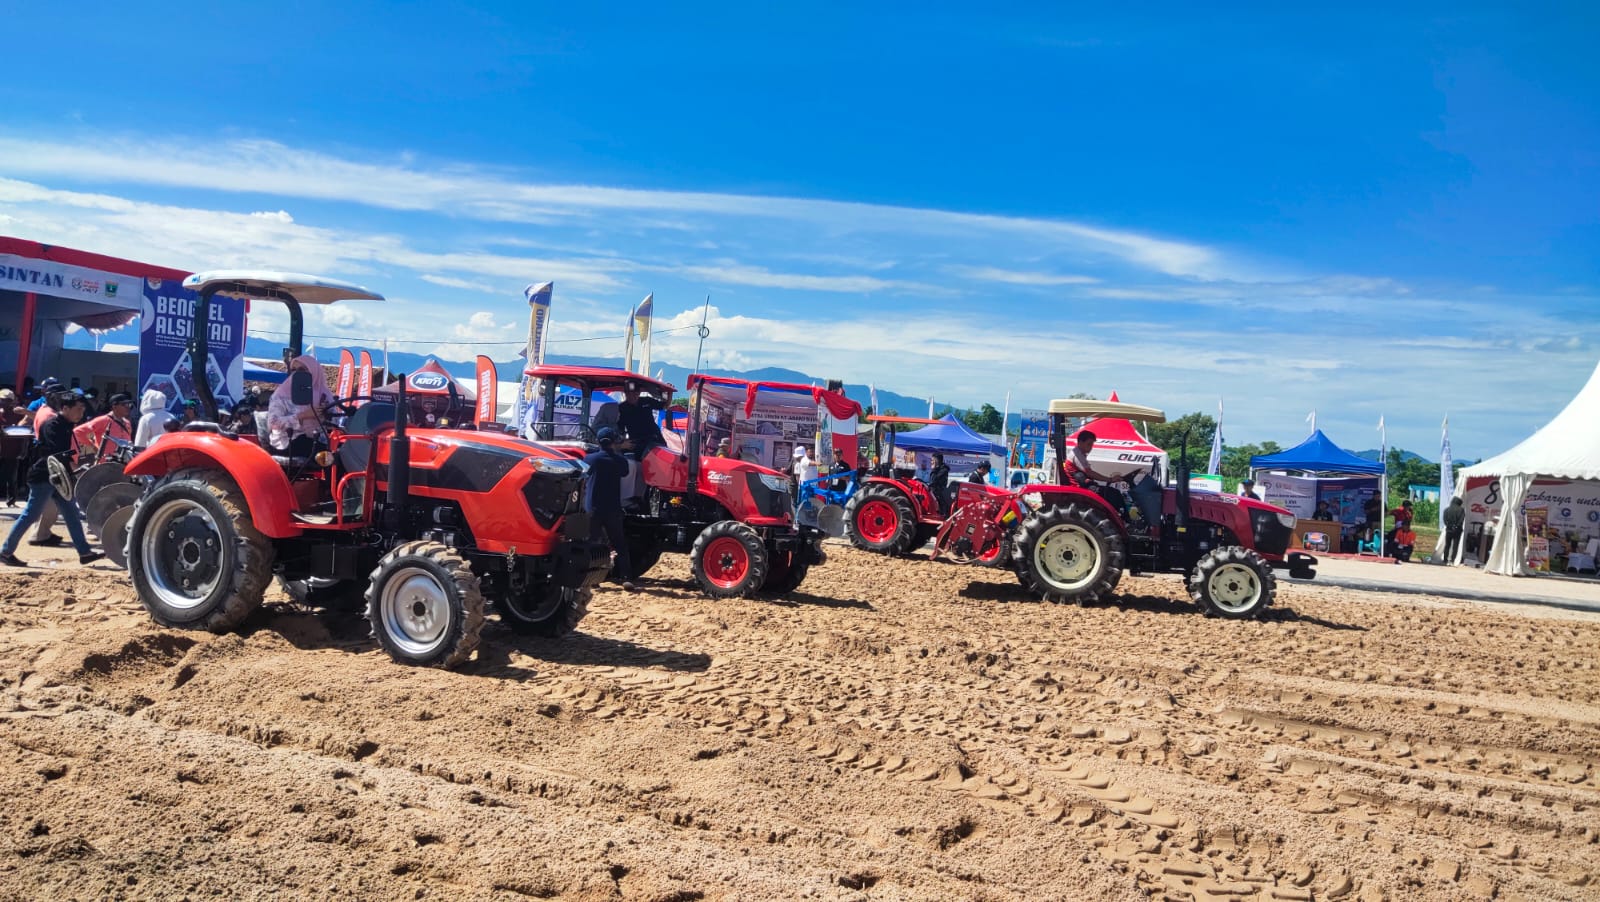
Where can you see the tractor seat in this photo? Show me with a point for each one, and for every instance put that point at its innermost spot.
(370, 417)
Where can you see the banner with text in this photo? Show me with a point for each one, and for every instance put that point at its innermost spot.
(74, 282)
(1032, 437)
(165, 325)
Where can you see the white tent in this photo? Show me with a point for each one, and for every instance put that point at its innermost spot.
(1566, 448)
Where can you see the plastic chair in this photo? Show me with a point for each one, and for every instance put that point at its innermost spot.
(1371, 545)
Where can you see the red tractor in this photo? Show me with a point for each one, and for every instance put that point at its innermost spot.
(894, 513)
(1072, 543)
(423, 525)
(735, 518)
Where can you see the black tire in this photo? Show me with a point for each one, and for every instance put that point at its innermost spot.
(425, 605)
(335, 594)
(783, 574)
(1232, 582)
(877, 504)
(551, 611)
(195, 558)
(1073, 553)
(644, 551)
(729, 560)
(927, 532)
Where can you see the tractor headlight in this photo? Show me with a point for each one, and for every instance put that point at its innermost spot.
(774, 483)
(323, 459)
(560, 466)
(1288, 520)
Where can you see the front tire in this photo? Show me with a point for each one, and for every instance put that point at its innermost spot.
(549, 611)
(729, 560)
(1232, 582)
(194, 555)
(881, 520)
(425, 605)
(1073, 553)
(787, 571)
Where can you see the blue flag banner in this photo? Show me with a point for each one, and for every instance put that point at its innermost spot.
(165, 325)
(1031, 438)
(539, 297)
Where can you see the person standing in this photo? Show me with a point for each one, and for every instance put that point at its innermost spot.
(839, 468)
(115, 423)
(55, 442)
(153, 417)
(636, 417)
(1455, 519)
(979, 474)
(607, 469)
(13, 448)
(939, 483)
(1247, 489)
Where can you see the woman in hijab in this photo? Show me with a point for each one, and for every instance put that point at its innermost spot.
(293, 428)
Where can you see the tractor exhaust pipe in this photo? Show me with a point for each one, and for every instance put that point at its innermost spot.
(399, 465)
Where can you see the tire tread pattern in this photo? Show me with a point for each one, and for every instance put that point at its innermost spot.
(754, 548)
(1200, 576)
(904, 539)
(253, 551)
(1090, 518)
(466, 584)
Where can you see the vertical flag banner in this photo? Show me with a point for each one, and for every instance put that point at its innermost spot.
(165, 325)
(1214, 463)
(1447, 479)
(1383, 458)
(347, 374)
(872, 394)
(639, 325)
(488, 391)
(538, 321)
(1312, 419)
(930, 407)
(364, 377)
(388, 374)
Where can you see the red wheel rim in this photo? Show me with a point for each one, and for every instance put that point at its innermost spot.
(990, 554)
(726, 562)
(877, 521)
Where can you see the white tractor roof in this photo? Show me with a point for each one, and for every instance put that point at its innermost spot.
(258, 283)
(1083, 407)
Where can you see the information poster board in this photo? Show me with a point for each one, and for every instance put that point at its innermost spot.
(165, 325)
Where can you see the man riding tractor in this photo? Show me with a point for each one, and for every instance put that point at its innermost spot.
(1069, 541)
(424, 525)
(734, 518)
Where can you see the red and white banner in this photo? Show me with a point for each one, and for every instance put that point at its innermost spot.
(347, 374)
(488, 391)
(364, 378)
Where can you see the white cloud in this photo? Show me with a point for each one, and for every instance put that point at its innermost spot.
(1016, 277)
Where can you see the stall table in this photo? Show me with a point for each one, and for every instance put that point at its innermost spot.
(1333, 529)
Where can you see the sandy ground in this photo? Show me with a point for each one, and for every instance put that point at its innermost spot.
(900, 730)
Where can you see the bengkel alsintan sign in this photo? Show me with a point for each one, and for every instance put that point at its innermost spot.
(72, 282)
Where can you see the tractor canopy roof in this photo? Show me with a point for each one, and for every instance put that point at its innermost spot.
(1084, 407)
(257, 283)
(600, 378)
(837, 404)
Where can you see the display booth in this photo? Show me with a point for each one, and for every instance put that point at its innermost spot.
(429, 395)
(1536, 507)
(764, 421)
(46, 290)
(963, 448)
(1315, 473)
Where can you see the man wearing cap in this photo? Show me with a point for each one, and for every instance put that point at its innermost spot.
(49, 385)
(1247, 489)
(55, 442)
(15, 447)
(116, 423)
(607, 469)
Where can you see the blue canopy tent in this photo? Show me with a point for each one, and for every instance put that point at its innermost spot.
(951, 436)
(1317, 454)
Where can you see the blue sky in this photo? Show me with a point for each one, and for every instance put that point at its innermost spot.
(1386, 211)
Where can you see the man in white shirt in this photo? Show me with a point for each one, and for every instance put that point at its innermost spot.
(804, 467)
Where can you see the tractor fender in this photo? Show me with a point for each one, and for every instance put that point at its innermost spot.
(1059, 495)
(916, 494)
(265, 487)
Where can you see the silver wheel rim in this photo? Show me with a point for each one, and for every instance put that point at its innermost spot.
(416, 611)
(182, 554)
(1067, 557)
(1234, 587)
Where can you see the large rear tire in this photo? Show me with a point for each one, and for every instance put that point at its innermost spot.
(550, 611)
(425, 605)
(1073, 553)
(729, 560)
(1232, 582)
(881, 519)
(195, 558)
